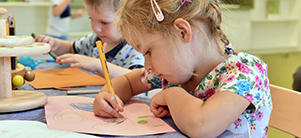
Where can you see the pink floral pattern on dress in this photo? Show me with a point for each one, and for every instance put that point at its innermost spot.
(243, 74)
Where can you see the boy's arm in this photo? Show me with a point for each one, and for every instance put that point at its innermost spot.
(64, 47)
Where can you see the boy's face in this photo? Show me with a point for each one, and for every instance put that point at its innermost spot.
(102, 23)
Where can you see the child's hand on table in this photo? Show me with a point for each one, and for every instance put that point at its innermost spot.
(105, 105)
(158, 105)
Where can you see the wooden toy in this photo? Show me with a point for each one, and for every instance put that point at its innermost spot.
(25, 72)
(10, 46)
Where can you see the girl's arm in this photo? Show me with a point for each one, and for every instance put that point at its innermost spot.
(197, 118)
(114, 70)
(125, 87)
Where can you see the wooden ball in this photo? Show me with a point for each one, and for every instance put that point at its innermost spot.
(29, 76)
(18, 80)
(27, 69)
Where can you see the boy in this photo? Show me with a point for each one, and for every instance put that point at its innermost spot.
(120, 55)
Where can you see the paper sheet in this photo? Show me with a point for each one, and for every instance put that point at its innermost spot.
(74, 113)
(67, 77)
(33, 129)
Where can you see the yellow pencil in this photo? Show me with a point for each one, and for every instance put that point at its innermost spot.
(105, 68)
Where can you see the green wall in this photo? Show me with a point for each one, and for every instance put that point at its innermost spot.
(281, 68)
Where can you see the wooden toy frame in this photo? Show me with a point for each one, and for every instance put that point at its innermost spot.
(17, 100)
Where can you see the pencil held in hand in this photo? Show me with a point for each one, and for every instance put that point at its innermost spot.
(105, 69)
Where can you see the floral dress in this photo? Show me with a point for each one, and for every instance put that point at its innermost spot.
(243, 74)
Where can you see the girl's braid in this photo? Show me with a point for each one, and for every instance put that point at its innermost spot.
(215, 19)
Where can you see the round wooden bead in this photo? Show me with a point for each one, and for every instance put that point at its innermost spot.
(18, 80)
(27, 69)
(29, 76)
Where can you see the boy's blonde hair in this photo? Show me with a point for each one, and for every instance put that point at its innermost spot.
(95, 4)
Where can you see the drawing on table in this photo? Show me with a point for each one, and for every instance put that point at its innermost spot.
(142, 122)
(68, 115)
(82, 106)
(75, 113)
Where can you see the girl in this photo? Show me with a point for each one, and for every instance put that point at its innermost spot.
(217, 89)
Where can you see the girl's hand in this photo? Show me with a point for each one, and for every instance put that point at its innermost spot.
(50, 40)
(158, 105)
(105, 105)
(80, 61)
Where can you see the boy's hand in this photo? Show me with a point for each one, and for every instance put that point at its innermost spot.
(80, 61)
(105, 105)
(50, 40)
(158, 105)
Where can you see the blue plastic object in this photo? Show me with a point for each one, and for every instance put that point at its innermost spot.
(50, 60)
(27, 61)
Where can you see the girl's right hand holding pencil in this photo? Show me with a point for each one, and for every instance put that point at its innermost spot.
(105, 104)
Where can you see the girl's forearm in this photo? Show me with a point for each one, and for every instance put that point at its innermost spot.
(114, 70)
(186, 116)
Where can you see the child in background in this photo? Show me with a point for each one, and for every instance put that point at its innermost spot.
(59, 18)
(217, 90)
(121, 57)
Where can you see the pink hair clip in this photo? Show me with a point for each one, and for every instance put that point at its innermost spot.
(183, 1)
(159, 15)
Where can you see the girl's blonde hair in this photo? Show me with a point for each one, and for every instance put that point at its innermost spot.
(95, 4)
(136, 16)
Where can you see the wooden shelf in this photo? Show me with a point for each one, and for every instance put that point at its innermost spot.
(275, 20)
(24, 4)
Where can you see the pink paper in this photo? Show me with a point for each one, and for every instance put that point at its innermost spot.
(75, 113)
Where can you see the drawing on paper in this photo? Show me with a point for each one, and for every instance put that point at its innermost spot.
(68, 115)
(142, 122)
(82, 106)
(74, 113)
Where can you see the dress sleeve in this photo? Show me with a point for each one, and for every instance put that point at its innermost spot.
(248, 78)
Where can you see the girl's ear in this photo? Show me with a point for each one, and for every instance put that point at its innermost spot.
(183, 28)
